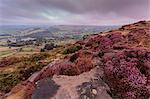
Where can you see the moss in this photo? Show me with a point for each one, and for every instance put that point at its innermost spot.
(72, 49)
(38, 57)
(8, 81)
(26, 73)
(101, 54)
(42, 50)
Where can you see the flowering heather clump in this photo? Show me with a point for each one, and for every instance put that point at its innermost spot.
(138, 37)
(127, 75)
(103, 43)
(116, 37)
(136, 34)
(76, 63)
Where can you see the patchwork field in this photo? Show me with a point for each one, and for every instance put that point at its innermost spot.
(17, 51)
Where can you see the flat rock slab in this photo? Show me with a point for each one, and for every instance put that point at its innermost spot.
(83, 86)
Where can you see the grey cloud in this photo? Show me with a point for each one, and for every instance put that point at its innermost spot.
(73, 11)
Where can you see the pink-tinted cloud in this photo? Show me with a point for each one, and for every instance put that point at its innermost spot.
(91, 12)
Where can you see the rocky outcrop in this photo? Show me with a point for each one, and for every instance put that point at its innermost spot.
(123, 55)
(85, 85)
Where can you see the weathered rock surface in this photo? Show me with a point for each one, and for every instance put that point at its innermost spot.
(84, 85)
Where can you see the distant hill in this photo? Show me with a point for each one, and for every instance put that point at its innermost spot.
(58, 31)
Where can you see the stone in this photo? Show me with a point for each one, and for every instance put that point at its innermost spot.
(94, 91)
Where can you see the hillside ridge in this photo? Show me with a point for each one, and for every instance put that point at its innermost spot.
(120, 59)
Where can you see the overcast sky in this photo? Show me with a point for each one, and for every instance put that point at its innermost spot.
(73, 12)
